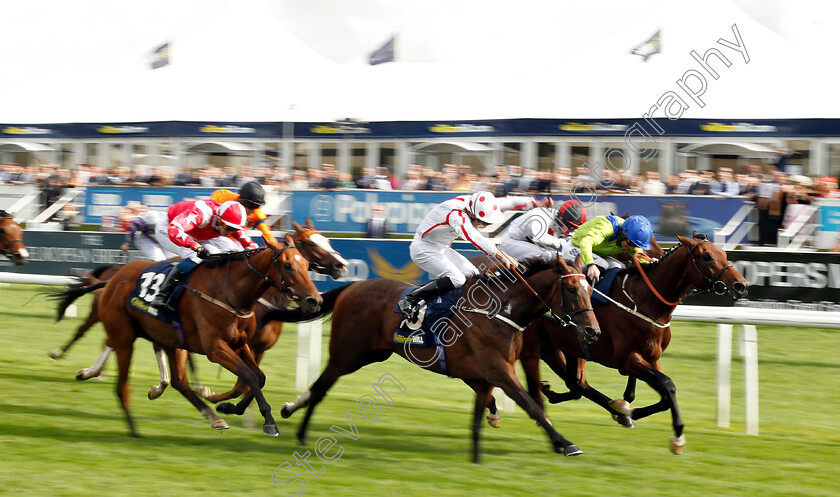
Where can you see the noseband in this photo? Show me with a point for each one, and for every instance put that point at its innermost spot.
(567, 319)
(715, 283)
(283, 286)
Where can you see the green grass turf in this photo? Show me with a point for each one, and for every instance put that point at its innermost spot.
(60, 437)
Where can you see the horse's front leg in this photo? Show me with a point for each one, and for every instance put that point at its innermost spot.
(178, 360)
(504, 377)
(666, 388)
(243, 365)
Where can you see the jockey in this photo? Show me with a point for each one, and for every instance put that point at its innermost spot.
(194, 221)
(141, 233)
(252, 196)
(603, 236)
(540, 231)
(432, 249)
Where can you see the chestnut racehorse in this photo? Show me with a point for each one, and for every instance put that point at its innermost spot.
(485, 346)
(11, 239)
(322, 257)
(216, 317)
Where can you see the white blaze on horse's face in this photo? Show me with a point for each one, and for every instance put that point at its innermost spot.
(322, 242)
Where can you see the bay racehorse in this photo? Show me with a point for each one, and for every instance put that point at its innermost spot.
(216, 317)
(487, 334)
(316, 248)
(635, 331)
(11, 239)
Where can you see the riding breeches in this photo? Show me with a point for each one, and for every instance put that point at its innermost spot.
(570, 253)
(521, 249)
(441, 261)
(151, 249)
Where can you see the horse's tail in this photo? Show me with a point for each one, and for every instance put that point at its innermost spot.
(71, 293)
(104, 272)
(297, 315)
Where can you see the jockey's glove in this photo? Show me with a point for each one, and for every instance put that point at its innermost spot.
(202, 252)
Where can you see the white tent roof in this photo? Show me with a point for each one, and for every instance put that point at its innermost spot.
(237, 62)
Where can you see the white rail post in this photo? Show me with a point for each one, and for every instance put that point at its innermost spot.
(750, 353)
(724, 367)
(308, 365)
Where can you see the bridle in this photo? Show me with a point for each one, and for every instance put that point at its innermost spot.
(7, 252)
(714, 281)
(314, 265)
(283, 287)
(567, 319)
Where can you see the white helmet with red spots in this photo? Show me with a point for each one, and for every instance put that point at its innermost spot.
(484, 207)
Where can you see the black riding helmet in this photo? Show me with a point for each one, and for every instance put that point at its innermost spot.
(252, 195)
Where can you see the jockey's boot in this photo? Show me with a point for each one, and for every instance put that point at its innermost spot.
(409, 305)
(162, 298)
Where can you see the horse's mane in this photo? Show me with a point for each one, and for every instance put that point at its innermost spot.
(633, 270)
(217, 260)
(5, 215)
(530, 265)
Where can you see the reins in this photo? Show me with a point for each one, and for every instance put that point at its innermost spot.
(648, 283)
(567, 319)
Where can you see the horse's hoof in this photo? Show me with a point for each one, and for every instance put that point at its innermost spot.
(225, 408)
(219, 424)
(271, 430)
(203, 392)
(622, 406)
(155, 392)
(624, 421)
(56, 354)
(85, 374)
(677, 444)
(572, 450)
(494, 420)
(286, 410)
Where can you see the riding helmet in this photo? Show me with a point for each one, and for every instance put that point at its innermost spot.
(232, 214)
(252, 195)
(484, 207)
(571, 213)
(638, 230)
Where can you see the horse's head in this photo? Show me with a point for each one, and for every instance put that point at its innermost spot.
(317, 249)
(293, 273)
(11, 239)
(712, 270)
(572, 297)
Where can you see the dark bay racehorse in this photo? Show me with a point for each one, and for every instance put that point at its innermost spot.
(633, 341)
(485, 343)
(216, 318)
(11, 239)
(322, 257)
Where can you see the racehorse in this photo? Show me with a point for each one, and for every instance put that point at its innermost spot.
(11, 239)
(635, 331)
(216, 317)
(485, 346)
(322, 257)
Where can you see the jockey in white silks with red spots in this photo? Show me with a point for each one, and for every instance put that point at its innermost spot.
(456, 218)
(541, 232)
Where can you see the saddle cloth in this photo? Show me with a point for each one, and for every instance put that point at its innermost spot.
(148, 285)
(604, 286)
(422, 332)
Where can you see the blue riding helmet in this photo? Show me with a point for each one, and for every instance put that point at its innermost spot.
(638, 230)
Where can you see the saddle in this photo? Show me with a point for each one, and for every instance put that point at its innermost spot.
(147, 287)
(423, 332)
(604, 286)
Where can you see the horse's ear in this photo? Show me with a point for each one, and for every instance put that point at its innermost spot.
(309, 222)
(684, 240)
(289, 239)
(274, 246)
(698, 236)
(296, 226)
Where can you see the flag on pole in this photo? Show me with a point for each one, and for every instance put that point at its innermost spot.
(650, 47)
(384, 54)
(160, 56)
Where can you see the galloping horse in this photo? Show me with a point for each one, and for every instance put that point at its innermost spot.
(634, 332)
(483, 351)
(11, 239)
(216, 317)
(312, 245)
